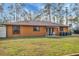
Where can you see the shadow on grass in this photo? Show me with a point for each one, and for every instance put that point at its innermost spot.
(34, 37)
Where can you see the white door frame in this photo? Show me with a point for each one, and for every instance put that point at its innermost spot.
(2, 31)
(49, 30)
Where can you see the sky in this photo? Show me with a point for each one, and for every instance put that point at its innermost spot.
(28, 6)
(33, 7)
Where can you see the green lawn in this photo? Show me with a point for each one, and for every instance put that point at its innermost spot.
(39, 46)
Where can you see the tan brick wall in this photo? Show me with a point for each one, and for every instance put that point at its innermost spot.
(26, 31)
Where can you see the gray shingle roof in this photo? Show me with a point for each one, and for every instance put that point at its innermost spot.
(34, 23)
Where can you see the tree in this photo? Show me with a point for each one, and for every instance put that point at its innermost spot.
(75, 11)
(17, 12)
(66, 15)
(48, 10)
(11, 12)
(1, 11)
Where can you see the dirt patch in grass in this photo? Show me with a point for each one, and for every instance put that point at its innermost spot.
(41, 44)
(2, 51)
(36, 48)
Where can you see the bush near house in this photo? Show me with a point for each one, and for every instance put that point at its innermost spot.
(65, 33)
(76, 31)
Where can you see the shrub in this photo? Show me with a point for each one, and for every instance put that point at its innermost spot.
(76, 31)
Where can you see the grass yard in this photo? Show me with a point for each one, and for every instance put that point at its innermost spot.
(39, 46)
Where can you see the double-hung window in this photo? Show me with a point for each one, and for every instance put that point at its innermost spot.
(16, 29)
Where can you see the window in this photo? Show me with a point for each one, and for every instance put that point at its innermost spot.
(36, 28)
(61, 28)
(16, 29)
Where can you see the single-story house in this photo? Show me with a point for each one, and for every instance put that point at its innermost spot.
(33, 28)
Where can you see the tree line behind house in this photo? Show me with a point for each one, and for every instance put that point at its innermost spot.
(61, 13)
